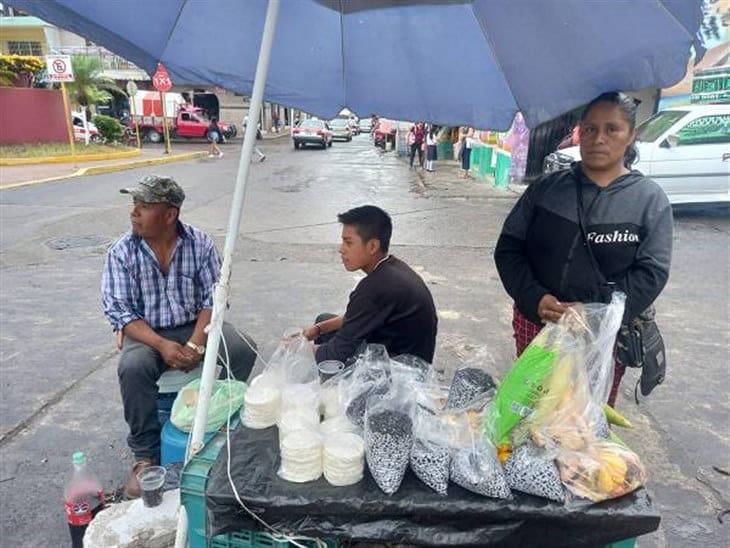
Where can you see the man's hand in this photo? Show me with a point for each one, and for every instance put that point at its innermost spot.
(312, 332)
(550, 309)
(176, 356)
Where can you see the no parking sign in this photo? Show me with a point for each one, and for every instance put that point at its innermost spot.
(59, 68)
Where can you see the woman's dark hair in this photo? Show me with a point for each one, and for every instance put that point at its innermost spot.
(627, 105)
(370, 222)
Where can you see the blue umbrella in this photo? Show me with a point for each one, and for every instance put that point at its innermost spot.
(453, 62)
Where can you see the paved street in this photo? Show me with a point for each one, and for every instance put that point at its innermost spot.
(58, 386)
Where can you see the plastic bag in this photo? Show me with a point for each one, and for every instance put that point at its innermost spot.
(430, 454)
(368, 378)
(292, 362)
(274, 386)
(471, 380)
(301, 456)
(409, 368)
(474, 463)
(225, 399)
(532, 470)
(389, 435)
(343, 457)
(605, 470)
(583, 340)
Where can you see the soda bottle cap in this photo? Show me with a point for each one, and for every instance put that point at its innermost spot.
(79, 458)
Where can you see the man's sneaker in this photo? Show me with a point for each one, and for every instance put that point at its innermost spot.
(131, 488)
(220, 155)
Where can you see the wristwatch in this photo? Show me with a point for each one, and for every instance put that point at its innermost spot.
(199, 348)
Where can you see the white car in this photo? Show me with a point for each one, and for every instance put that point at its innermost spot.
(684, 149)
(80, 132)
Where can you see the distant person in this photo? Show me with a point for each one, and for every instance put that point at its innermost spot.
(431, 148)
(215, 136)
(157, 293)
(466, 136)
(275, 120)
(256, 149)
(391, 306)
(415, 141)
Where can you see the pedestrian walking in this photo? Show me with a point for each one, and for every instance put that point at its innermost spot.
(257, 150)
(215, 136)
(578, 234)
(431, 148)
(466, 136)
(415, 141)
(275, 120)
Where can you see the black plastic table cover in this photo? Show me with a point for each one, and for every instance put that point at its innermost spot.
(414, 515)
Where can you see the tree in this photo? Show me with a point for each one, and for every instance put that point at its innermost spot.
(20, 70)
(90, 87)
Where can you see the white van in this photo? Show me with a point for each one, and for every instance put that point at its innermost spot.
(684, 149)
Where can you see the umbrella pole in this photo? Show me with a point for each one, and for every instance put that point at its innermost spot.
(221, 289)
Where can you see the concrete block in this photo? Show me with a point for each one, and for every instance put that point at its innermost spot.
(132, 525)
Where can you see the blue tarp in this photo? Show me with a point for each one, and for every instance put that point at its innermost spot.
(444, 61)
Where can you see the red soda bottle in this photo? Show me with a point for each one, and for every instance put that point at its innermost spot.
(83, 499)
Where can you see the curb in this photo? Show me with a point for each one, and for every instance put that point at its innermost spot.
(98, 170)
(9, 162)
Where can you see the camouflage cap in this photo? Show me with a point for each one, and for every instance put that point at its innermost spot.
(156, 189)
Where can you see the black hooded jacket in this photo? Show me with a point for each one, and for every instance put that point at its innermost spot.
(629, 226)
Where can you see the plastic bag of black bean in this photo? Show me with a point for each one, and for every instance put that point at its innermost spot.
(532, 470)
(430, 455)
(389, 436)
(409, 368)
(369, 377)
(468, 385)
(474, 463)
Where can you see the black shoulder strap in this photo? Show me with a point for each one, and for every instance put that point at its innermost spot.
(581, 223)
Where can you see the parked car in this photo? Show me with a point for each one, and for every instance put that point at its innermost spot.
(685, 149)
(80, 132)
(312, 132)
(341, 129)
(384, 132)
(365, 125)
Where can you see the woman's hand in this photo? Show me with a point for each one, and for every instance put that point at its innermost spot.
(551, 309)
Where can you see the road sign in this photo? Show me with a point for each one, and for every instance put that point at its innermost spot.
(161, 80)
(131, 88)
(59, 68)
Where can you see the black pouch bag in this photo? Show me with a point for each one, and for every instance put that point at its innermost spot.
(638, 344)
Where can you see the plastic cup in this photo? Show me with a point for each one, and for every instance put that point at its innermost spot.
(151, 480)
(329, 368)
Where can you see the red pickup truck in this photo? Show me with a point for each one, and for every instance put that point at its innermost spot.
(189, 122)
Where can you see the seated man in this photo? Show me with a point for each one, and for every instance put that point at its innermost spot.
(157, 292)
(392, 306)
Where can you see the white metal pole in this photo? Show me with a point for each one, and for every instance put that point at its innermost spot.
(234, 221)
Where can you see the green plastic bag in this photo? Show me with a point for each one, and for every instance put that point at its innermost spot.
(520, 390)
(186, 402)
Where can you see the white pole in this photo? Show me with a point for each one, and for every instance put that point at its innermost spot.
(222, 288)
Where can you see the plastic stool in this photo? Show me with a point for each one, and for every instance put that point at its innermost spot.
(173, 443)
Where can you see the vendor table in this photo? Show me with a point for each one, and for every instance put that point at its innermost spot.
(413, 515)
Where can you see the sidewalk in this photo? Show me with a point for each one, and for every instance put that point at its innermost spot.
(444, 182)
(30, 174)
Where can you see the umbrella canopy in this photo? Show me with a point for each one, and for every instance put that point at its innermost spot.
(470, 62)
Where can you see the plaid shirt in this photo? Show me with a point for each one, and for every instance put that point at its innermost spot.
(134, 288)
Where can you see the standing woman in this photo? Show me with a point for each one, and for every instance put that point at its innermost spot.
(431, 148)
(548, 259)
(465, 141)
(215, 136)
(415, 140)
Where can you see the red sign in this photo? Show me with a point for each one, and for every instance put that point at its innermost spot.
(161, 80)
